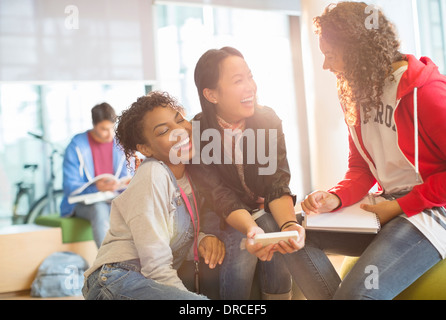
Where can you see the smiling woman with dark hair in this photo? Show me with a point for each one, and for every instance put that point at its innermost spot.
(236, 186)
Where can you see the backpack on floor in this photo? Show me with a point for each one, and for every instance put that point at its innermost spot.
(61, 274)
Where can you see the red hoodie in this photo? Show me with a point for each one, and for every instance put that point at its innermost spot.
(422, 83)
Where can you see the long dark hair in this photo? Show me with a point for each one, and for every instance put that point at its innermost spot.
(368, 54)
(207, 73)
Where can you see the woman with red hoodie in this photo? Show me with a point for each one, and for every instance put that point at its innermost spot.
(395, 108)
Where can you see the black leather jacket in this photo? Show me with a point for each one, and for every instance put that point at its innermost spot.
(220, 183)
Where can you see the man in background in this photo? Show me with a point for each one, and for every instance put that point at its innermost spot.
(89, 154)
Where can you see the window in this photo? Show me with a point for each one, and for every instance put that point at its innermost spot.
(57, 111)
(432, 20)
(53, 72)
(59, 107)
(184, 33)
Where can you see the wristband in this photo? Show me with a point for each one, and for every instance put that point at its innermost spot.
(287, 224)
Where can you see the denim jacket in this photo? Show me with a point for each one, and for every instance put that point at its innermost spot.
(150, 222)
(78, 168)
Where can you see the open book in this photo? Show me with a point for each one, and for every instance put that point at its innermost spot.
(90, 198)
(348, 219)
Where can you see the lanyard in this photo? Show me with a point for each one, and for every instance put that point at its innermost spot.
(196, 229)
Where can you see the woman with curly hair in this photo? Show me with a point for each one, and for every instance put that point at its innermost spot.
(155, 222)
(395, 107)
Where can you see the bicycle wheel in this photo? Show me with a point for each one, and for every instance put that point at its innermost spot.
(21, 207)
(40, 207)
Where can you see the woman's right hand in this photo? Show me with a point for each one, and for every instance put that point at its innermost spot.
(261, 252)
(320, 202)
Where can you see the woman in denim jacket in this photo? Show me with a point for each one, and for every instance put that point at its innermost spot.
(152, 232)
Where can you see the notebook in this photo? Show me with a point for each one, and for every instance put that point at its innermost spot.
(94, 197)
(348, 219)
(90, 198)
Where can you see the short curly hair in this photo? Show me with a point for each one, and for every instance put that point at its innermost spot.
(130, 130)
(368, 54)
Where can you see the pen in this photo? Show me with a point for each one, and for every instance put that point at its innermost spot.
(372, 199)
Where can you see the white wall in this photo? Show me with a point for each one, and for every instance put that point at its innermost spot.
(76, 40)
(327, 129)
(289, 6)
(402, 14)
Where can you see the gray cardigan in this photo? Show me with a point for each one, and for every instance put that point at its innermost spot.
(142, 225)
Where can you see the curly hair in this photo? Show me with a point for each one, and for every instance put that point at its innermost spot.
(368, 55)
(130, 126)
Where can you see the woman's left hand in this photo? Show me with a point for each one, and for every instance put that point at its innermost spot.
(263, 253)
(212, 250)
(291, 245)
(386, 210)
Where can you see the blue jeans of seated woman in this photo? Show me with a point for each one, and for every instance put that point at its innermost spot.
(238, 268)
(389, 262)
(99, 216)
(116, 282)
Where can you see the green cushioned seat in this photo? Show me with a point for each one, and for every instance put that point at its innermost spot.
(73, 229)
(430, 286)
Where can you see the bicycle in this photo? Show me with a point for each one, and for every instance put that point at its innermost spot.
(25, 196)
(49, 202)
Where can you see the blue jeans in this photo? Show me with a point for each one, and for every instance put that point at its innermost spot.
(99, 216)
(123, 281)
(389, 262)
(239, 266)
